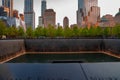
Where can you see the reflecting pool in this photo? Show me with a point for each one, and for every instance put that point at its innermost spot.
(72, 58)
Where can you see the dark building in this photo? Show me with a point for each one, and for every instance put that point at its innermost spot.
(9, 4)
(65, 22)
(49, 17)
(43, 7)
(4, 11)
(29, 13)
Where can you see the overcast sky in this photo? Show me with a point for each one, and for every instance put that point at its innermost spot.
(68, 8)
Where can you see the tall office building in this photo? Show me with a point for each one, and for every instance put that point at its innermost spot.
(88, 12)
(29, 14)
(40, 21)
(43, 7)
(49, 17)
(9, 4)
(65, 22)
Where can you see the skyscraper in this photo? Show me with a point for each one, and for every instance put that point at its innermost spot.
(29, 13)
(49, 17)
(65, 22)
(43, 7)
(88, 12)
(9, 4)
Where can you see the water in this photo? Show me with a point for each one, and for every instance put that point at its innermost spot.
(32, 67)
(72, 58)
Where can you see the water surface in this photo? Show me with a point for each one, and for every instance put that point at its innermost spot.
(49, 58)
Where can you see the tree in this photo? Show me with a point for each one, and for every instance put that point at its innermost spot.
(30, 32)
(2, 28)
(21, 32)
(12, 32)
(98, 31)
(94, 31)
(84, 32)
(116, 31)
(39, 31)
(59, 32)
(50, 31)
(106, 32)
(75, 31)
(67, 32)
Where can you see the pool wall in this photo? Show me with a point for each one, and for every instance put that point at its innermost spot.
(10, 48)
(112, 45)
(72, 45)
(63, 45)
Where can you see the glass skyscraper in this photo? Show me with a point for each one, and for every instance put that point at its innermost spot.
(43, 7)
(9, 4)
(88, 12)
(29, 13)
(85, 5)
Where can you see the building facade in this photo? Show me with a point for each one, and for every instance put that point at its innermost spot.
(117, 17)
(65, 22)
(9, 4)
(4, 11)
(29, 14)
(49, 17)
(107, 21)
(43, 7)
(88, 12)
(40, 22)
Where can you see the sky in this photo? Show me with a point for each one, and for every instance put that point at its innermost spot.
(67, 8)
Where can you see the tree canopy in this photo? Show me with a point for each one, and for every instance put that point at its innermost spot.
(53, 32)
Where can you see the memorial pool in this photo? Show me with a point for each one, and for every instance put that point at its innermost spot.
(77, 57)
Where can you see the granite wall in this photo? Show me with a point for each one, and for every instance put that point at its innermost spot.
(72, 45)
(9, 48)
(112, 45)
(63, 45)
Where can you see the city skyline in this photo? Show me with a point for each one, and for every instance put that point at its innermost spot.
(68, 9)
